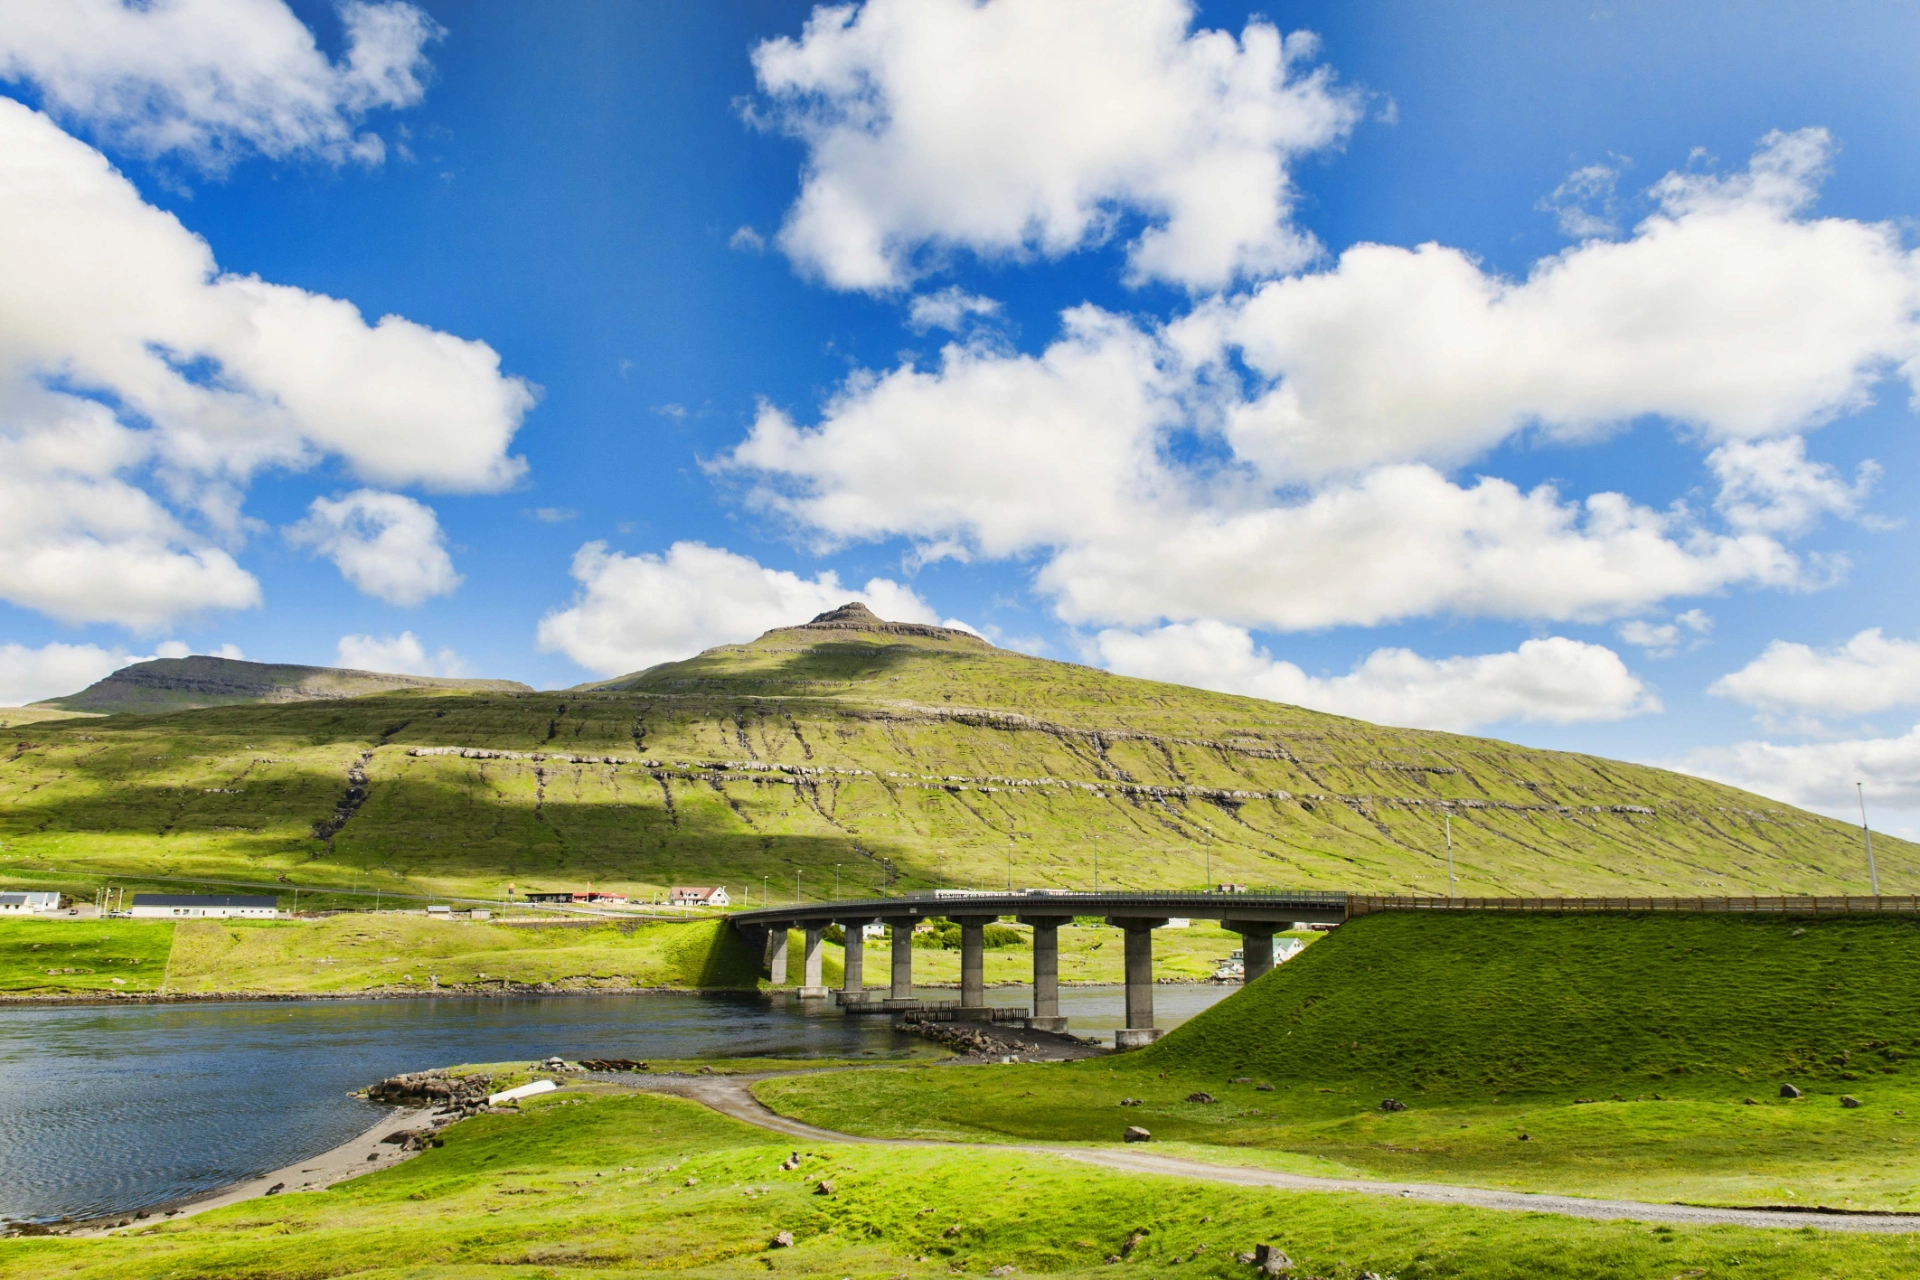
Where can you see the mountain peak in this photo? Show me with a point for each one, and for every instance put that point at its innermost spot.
(853, 611)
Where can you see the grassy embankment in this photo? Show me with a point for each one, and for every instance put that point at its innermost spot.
(364, 952)
(595, 1182)
(395, 952)
(1624, 1048)
(808, 750)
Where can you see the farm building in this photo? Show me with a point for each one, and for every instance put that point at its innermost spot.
(28, 902)
(686, 895)
(183, 906)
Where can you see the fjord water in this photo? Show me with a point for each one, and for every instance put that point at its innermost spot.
(105, 1109)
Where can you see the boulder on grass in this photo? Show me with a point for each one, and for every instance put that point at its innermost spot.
(1848, 1100)
(1271, 1259)
(1135, 1133)
(1788, 1091)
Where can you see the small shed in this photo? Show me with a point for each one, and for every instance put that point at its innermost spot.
(194, 906)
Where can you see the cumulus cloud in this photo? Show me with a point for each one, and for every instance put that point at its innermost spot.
(1317, 496)
(1821, 775)
(633, 612)
(385, 544)
(1000, 454)
(402, 655)
(1556, 680)
(215, 80)
(1729, 310)
(1771, 486)
(141, 390)
(1014, 129)
(1664, 639)
(53, 670)
(1871, 672)
(950, 309)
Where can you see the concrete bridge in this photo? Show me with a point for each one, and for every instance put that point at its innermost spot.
(1256, 917)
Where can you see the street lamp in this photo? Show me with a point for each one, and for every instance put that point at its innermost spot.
(836, 882)
(1449, 818)
(1867, 831)
(763, 890)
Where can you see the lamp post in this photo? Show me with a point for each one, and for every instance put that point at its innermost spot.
(1865, 830)
(836, 882)
(1449, 818)
(763, 890)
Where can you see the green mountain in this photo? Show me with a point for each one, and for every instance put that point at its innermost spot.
(184, 684)
(878, 751)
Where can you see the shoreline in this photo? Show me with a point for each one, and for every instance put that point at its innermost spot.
(490, 991)
(365, 1152)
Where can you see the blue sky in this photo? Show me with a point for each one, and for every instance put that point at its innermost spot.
(1109, 333)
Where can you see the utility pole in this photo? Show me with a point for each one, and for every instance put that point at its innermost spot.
(796, 883)
(1449, 857)
(1867, 831)
(1009, 866)
(763, 891)
(836, 882)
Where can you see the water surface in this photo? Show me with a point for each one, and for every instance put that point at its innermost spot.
(108, 1109)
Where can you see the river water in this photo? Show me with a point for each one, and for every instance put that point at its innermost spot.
(105, 1109)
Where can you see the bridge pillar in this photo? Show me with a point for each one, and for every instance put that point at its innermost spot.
(853, 983)
(1139, 1030)
(1256, 946)
(973, 960)
(812, 988)
(777, 955)
(901, 992)
(1046, 972)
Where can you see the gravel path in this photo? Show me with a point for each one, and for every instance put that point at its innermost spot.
(733, 1096)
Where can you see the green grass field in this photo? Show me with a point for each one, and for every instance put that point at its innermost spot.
(810, 756)
(599, 1183)
(391, 951)
(1625, 1048)
(83, 955)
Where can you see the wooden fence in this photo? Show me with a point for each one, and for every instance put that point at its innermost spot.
(1364, 904)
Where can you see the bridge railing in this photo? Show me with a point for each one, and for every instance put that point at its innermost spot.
(1363, 904)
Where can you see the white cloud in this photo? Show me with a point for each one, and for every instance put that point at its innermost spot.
(633, 612)
(1821, 775)
(1770, 486)
(213, 80)
(1583, 205)
(950, 309)
(1317, 498)
(53, 670)
(1010, 129)
(141, 390)
(1868, 673)
(402, 654)
(1663, 639)
(746, 240)
(1728, 310)
(1006, 454)
(385, 544)
(1556, 680)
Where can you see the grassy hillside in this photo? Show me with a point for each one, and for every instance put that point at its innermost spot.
(591, 1181)
(869, 748)
(182, 684)
(1641, 1056)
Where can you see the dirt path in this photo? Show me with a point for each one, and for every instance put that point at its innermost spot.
(733, 1096)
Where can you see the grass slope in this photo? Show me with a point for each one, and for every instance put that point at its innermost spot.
(590, 1182)
(816, 748)
(1625, 1048)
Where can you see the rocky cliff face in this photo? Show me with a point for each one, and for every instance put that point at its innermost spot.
(181, 684)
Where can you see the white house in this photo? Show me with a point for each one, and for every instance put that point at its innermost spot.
(686, 895)
(194, 906)
(28, 902)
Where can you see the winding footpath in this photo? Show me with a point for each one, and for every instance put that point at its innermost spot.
(733, 1096)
